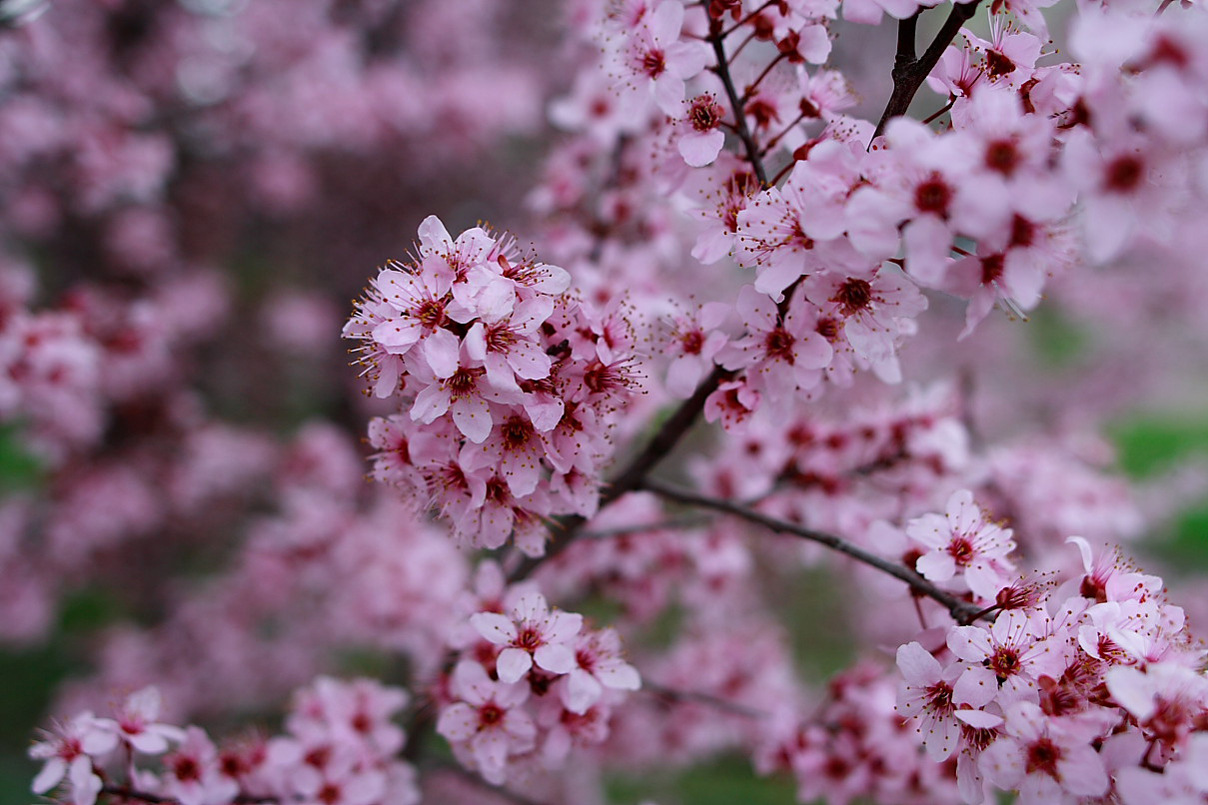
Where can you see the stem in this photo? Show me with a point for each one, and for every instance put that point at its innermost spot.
(740, 120)
(634, 474)
(752, 16)
(668, 436)
(671, 695)
(749, 89)
(931, 118)
(910, 72)
(964, 612)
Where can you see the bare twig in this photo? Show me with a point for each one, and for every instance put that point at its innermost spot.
(670, 524)
(964, 612)
(740, 120)
(673, 695)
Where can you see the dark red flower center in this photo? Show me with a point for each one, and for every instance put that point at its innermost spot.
(933, 195)
(1124, 174)
(853, 295)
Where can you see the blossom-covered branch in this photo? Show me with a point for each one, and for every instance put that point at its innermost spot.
(910, 71)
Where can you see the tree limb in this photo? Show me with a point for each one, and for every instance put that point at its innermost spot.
(964, 612)
(910, 72)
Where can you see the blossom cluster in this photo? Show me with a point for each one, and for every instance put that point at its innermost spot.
(1040, 167)
(338, 747)
(718, 226)
(1083, 690)
(530, 683)
(507, 385)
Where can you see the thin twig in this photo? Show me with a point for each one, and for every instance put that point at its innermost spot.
(740, 121)
(673, 695)
(935, 115)
(746, 19)
(671, 524)
(964, 612)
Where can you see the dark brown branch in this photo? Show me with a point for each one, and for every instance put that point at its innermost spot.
(669, 434)
(740, 120)
(671, 524)
(746, 19)
(910, 72)
(964, 612)
(671, 695)
(634, 473)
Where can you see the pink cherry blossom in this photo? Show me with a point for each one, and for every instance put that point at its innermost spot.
(964, 541)
(194, 776)
(135, 723)
(486, 720)
(1047, 759)
(531, 634)
(928, 696)
(598, 665)
(655, 53)
(71, 753)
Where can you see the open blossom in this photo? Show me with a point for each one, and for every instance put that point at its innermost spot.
(485, 722)
(1166, 698)
(695, 341)
(1049, 760)
(876, 310)
(963, 541)
(134, 723)
(780, 352)
(701, 137)
(69, 754)
(1008, 658)
(928, 695)
(195, 776)
(794, 230)
(655, 54)
(598, 665)
(530, 634)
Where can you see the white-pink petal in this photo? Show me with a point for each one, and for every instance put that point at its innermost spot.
(918, 666)
(494, 627)
(937, 565)
(556, 658)
(512, 664)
